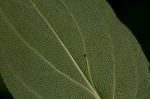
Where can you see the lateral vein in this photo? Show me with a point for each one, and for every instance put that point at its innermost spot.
(23, 82)
(83, 41)
(112, 54)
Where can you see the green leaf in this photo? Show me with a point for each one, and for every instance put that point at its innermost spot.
(69, 49)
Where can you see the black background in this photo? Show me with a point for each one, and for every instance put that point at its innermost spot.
(134, 14)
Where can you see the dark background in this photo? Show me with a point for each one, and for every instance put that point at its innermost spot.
(134, 14)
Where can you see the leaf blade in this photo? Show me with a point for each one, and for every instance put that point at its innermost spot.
(112, 64)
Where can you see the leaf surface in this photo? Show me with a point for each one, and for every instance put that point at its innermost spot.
(69, 49)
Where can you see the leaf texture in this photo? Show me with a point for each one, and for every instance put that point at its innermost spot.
(69, 49)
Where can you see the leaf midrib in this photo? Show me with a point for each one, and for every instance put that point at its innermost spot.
(67, 51)
(42, 57)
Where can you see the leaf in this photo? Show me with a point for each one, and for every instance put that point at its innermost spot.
(69, 49)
